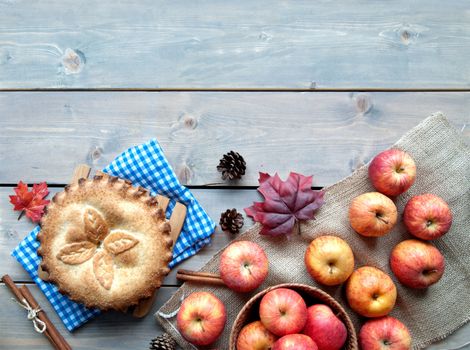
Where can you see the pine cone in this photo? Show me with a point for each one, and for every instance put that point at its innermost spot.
(163, 342)
(232, 166)
(231, 221)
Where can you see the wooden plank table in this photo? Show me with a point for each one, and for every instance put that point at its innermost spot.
(314, 87)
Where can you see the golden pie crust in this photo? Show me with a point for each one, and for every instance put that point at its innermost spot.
(104, 243)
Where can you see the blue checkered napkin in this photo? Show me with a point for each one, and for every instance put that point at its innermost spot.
(144, 165)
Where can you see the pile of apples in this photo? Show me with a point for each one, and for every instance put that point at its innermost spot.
(416, 263)
(370, 292)
(286, 323)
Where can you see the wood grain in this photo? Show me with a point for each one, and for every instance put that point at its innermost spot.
(80, 171)
(215, 201)
(328, 134)
(177, 220)
(245, 44)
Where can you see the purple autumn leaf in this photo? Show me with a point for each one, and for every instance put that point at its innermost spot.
(285, 203)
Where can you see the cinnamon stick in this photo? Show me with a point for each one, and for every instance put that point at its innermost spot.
(200, 277)
(12, 286)
(198, 273)
(57, 341)
(50, 328)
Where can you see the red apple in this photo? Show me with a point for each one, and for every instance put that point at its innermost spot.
(255, 336)
(371, 292)
(392, 172)
(427, 216)
(201, 318)
(243, 266)
(325, 328)
(385, 333)
(417, 264)
(329, 260)
(283, 311)
(372, 214)
(295, 342)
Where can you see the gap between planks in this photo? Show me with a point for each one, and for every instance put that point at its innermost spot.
(190, 187)
(247, 90)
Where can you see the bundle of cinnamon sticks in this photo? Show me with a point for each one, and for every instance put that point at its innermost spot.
(24, 297)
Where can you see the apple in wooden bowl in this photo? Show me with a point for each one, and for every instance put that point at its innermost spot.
(311, 295)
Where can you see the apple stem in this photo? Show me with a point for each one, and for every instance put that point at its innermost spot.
(382, 219)
(201, 324)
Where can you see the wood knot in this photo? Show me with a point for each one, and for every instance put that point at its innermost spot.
(73, 61)
(68, 108)
(409, 33)
(190, 122)
(264, 36)
(184, 174)
(12, 233)
(405, 36)
(363, 103)
(95, 153)
(5, 56)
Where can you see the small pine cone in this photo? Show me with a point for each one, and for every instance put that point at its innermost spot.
(231, 221)
(232, 166)
(163, 342)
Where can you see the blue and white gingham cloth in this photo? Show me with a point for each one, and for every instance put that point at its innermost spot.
(144, 165)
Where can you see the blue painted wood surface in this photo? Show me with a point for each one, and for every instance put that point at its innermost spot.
(328, 134)
(235, 45)
(214, 45)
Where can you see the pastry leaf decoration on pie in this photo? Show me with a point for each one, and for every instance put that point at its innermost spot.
(96, 227)
(97, 232)
(103, 269)
(119, 242)
(76, 253)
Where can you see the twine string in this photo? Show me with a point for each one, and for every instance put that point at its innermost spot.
(174, 313)
(39, 325)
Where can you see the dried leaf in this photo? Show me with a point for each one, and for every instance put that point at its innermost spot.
(96, 227)
(103, 269)
(32, 203)
(286, 202)
(118, 242)
(76, 253)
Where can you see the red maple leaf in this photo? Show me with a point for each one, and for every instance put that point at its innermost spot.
(32, 203)
(285, 203)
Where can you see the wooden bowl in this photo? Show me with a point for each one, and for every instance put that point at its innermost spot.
(310, 294)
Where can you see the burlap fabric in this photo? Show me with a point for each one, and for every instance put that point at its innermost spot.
(443, 168)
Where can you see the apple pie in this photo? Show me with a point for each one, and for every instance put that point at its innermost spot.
(105, 243)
